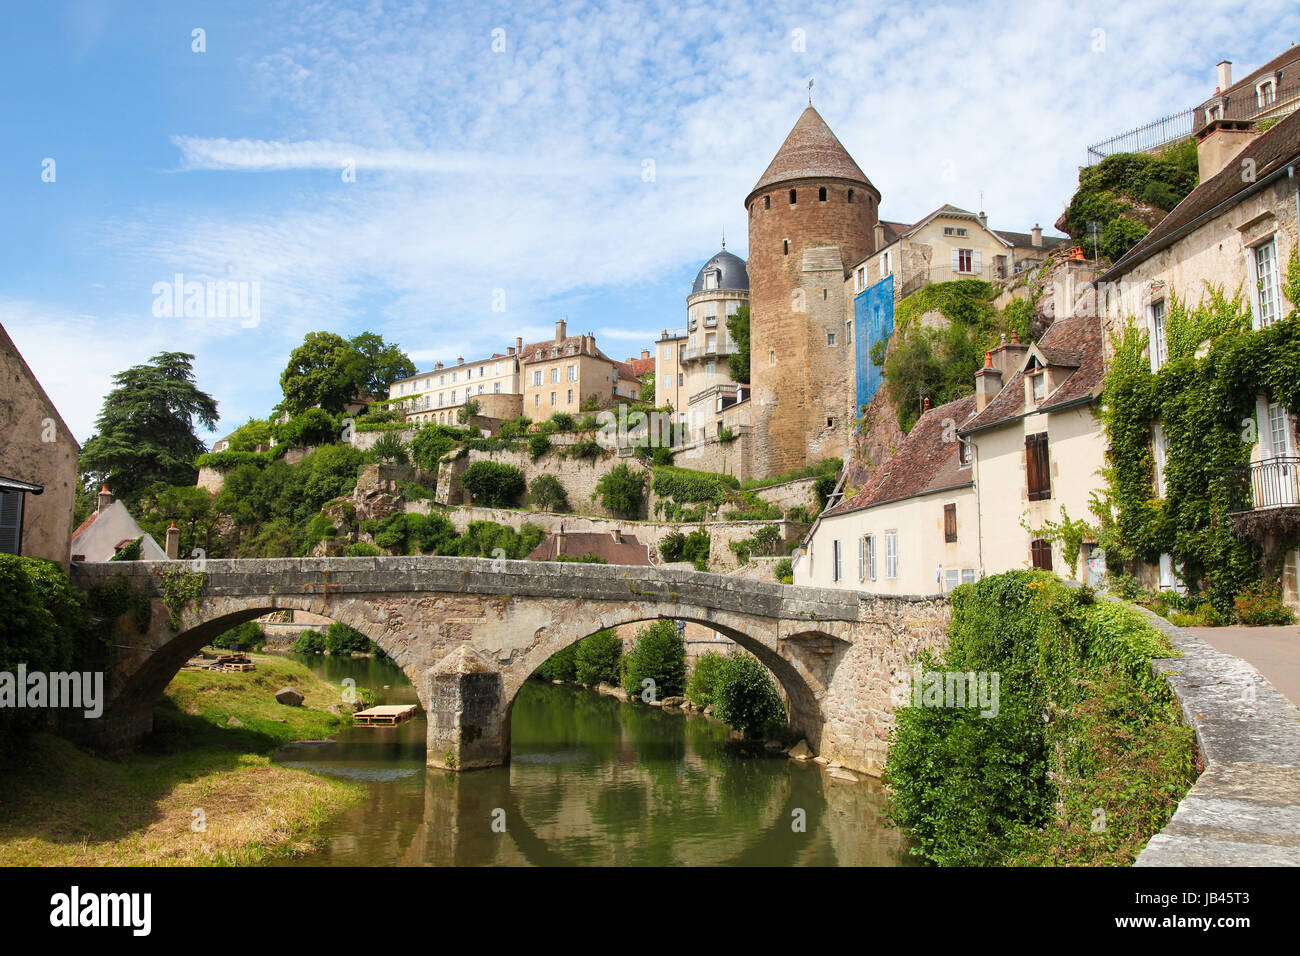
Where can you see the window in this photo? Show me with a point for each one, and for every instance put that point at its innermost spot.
(793, 197)
(886, 267)
(1266, 279)
(862, 559)
(947, 230)
(871, 557)
(891, 554)
(552, 399)
(830, 421)
(963, 260)
(1279, 431)
(951, 578)
(950, 523)
(767, 202)
(821, 194)
(573, 373)
(963, 452)
(862, 279)
(961, 233)
(570, 398)
(771, 355)
(1040, 553)
(710, 369)
(11, 522)
(967, 575)
(496, 388)
(537, 377)
(1159, 343)
(850, 195)
(848, 332)
(1038, 381)
(555, 375)
(835, 563)
(537, 401)
(1037, 469)
(1265, 94)
(830, 338)
(785, 247)
(681, 379)
(1158, 449)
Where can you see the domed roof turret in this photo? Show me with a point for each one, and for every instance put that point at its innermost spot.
(723, 271)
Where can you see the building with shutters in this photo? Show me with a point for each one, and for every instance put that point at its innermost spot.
(38, 464)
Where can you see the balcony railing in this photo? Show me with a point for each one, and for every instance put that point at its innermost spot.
(1270, 483)
(708, 351)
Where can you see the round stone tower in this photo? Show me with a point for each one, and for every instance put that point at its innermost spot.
(812, 218)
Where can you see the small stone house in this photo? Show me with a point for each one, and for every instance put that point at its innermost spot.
(108, 528)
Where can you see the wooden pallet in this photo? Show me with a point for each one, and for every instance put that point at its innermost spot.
(385, 715)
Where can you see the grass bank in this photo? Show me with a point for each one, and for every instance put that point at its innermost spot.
(202, 791)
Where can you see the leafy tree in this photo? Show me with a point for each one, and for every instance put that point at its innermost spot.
(648, 387)
(250, 435)
(561, 666)
(598, 659)
(242, 637)
(382, 364)
(146, 428)
(315, 426)
(325, 371)
(468, 411)
(659, 655)
(548, 494)
(745, 697)
(187, 505)
(493, 484)
(389, 448)
(621, 491)
(341, 639)
(430, 443)
(703, 683)
(738, 327)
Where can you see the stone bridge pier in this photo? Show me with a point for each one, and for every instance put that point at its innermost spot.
(468, 632)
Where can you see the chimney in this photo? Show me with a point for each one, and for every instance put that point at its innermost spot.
(436, 366)
(1036, 236)
(880, 237)
(645, 354)
(510, 350)
(173, 541)
(984, 219)
(561, 328)
(988, 382)
(519, 345)
(460, 360)
(105, 498)
(589, 343)
(1219, 142)
(1225, 78)
(559, 541)
(618, 535)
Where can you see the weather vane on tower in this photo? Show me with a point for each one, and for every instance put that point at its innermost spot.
(810, 86)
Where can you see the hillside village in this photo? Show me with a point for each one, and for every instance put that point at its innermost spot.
(902, 406)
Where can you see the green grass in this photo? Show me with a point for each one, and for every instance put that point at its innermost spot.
(63, 806)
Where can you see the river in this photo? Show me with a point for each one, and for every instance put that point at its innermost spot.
(592, 781)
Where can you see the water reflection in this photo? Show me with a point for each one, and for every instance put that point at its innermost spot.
(592, 781)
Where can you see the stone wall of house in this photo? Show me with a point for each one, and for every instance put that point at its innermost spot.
(37, 447)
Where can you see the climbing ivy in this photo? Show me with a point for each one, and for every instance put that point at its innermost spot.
(1071, 534)
(179, 588)
(1205, 406)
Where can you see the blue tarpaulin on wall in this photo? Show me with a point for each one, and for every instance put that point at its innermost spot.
(873, 317)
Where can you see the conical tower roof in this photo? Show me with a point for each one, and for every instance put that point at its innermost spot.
(811, 151)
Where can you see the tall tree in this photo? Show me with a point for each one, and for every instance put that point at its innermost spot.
(323, 371)
(382, 364)
(146, 428)
(738, 326)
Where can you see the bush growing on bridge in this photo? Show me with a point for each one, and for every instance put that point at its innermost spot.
(1080, 723)
(598, 659)
(493, 484)
(745, 697)
(659, 655)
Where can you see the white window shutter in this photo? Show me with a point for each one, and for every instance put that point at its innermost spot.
(977, 260)
(956, 262)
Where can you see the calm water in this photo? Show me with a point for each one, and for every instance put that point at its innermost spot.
(592, 780)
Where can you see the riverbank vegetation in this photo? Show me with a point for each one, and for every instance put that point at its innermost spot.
(1084, 756)
(201, 791)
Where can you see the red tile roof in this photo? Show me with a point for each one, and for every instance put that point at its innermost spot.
(579, 544)
(641, 366)
(925, 462)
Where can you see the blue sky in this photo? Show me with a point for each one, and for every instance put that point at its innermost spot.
(520, 169)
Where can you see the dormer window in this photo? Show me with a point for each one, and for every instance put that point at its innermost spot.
(1266, 93)
(711, 279)
(1039, 383)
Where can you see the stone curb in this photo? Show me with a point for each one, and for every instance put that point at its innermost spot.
(1244, 809)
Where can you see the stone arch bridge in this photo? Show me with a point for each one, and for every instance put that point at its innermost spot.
(469, 631)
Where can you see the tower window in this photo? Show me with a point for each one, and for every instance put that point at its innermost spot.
(786, 247)
(830, 338)
(767, 202)
(793, 197)
(821, 194)
(771, 354)
(850, 195)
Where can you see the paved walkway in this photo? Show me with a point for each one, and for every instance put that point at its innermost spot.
(1275, 651)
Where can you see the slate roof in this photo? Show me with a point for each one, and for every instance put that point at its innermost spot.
(924, 463)
(1025, 240)
(811, 151)
(579, 544)
(1069, 343)
(731, 270)
(1247, 83)
(1271, 151)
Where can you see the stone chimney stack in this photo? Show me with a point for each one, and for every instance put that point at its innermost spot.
(561, 330)
(879, 236)
(519, 345)
(645, 354)
(988, 382)
(1219, 142)
(559, 541)
(173, 541)
(1225, 76)
(589, 343)
(1036, 236)
(460, 360)
(510, 350)
(984, 219)
(105, 498)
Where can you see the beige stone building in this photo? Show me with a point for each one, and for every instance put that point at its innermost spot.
(1235, 231)
(1268, 93)
(564, 374)
(38, 464)
(438, 395)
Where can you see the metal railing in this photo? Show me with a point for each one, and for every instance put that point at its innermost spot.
(1269, 483)
(707, 351)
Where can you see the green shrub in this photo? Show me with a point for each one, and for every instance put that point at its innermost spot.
(493, 484)
(315, 426)
(1261, 605)
(388, 448)
(242, 637)
(363, 549)
(547, 494)
(692, 547)
(514, 427)
(562, 665)
(343, 640)
(784, 571)
(310, 642)
(598, 659)
(658, 655)
(686, 486)
(703, 683)
(587, 448)
(538, 445)
(431, 443)
(621, 491)
(563, 422)
(745, 697)
(129, 551)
